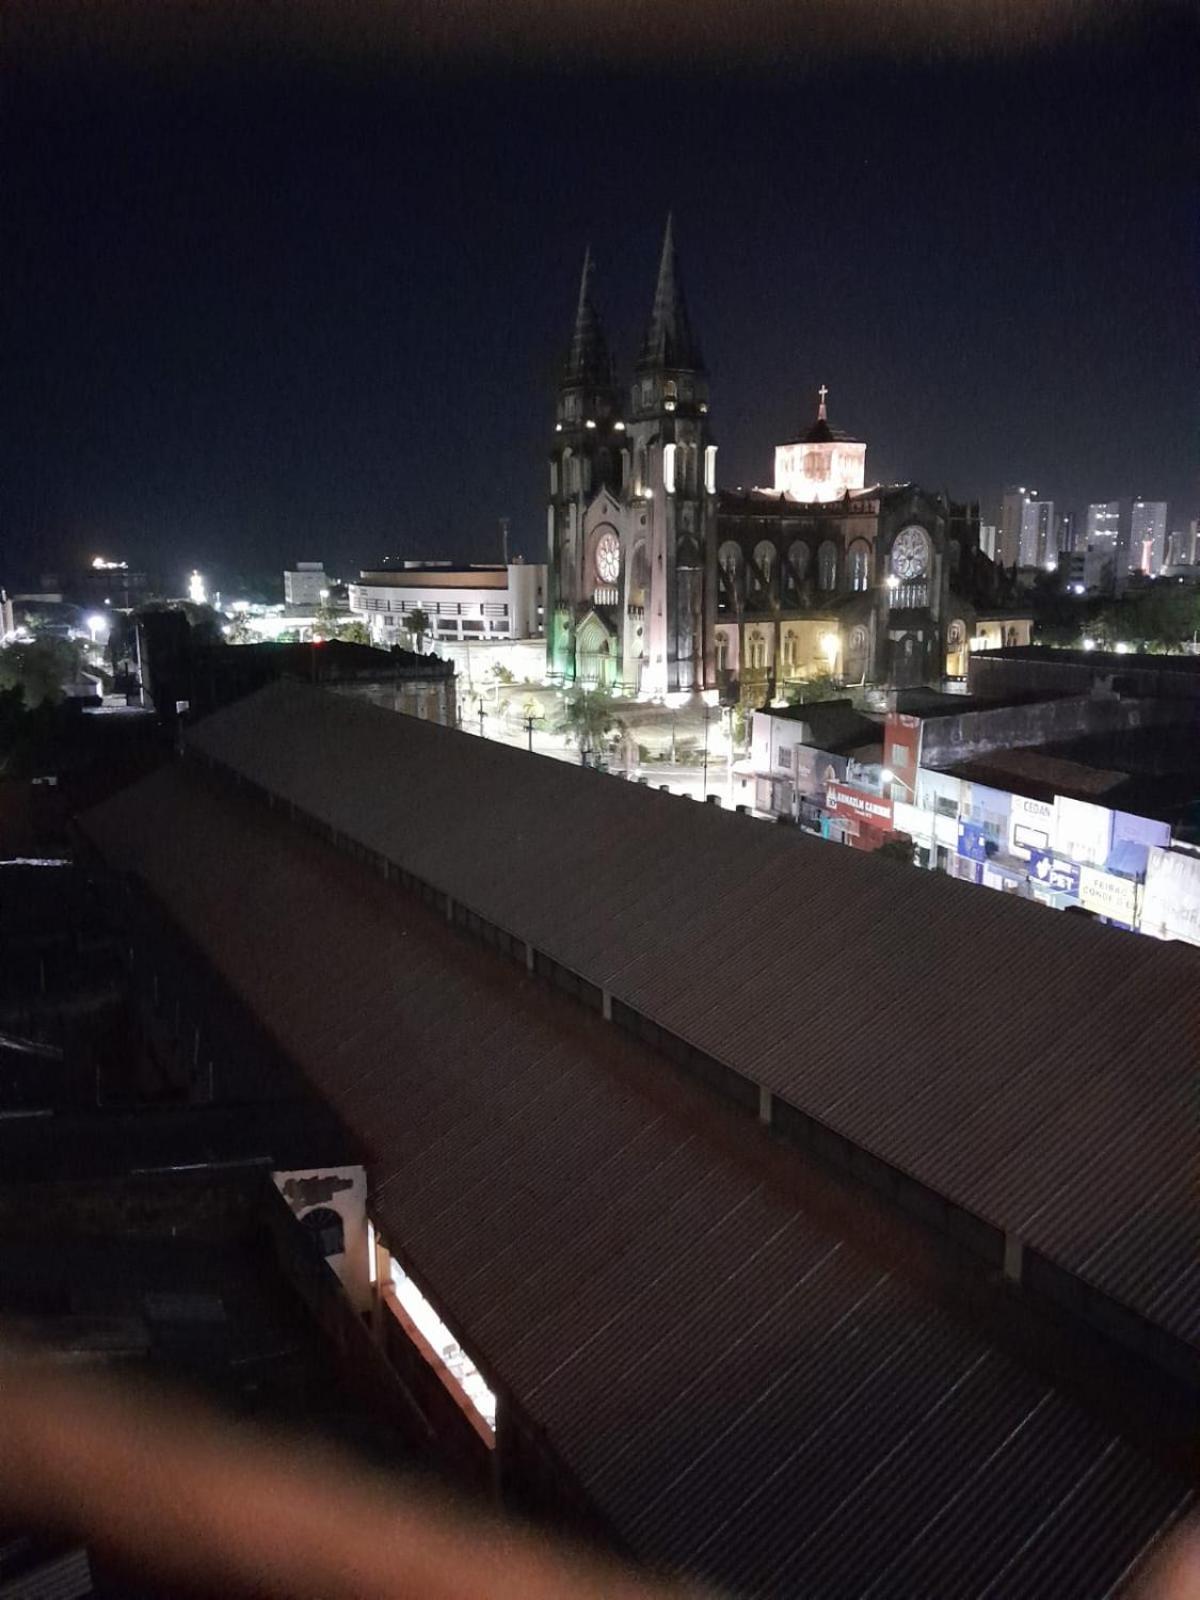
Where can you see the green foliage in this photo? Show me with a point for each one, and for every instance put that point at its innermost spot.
(40, 669)
(240, 631)
(417, 623)
(501, 674)
(12, 715)
(897, 849)
(820, 686)
(589, 718)
(330, 623)
(1160, 617)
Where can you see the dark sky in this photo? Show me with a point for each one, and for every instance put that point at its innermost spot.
(265, 312)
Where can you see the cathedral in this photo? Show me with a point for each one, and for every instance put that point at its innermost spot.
(659, 584)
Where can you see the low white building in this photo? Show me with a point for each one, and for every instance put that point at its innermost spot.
(460, 603)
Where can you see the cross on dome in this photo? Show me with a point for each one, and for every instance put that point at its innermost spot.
(822, 392)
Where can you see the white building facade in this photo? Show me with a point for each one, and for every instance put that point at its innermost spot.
(304, 583)
(459, 603)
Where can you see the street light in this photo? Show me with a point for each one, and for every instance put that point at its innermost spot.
(887, 778)
(95, 624)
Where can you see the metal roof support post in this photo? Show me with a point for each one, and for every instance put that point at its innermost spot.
(765, 1102)
(606, 1005)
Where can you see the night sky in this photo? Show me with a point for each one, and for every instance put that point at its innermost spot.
(274, 309)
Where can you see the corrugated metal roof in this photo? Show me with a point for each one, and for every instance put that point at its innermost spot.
(1036, 1069)
(744, 1389)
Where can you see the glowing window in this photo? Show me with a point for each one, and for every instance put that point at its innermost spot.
(446, 1348)
(827, 565)
(669, 468)
(860, 565)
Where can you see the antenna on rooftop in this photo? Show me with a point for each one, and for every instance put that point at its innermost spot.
(504, 521)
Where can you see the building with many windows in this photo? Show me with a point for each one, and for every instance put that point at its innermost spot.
(884, 585)
(305, 584)
(1147, 536)
(459, 602)
(658, 583)
(1027, 535)
(633, 505)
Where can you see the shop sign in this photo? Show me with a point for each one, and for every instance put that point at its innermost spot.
(1053, 872)
(1171, 901)
(847, 802)
(1031, 825)
(1108, 896)
(972, 841)
(813, 769)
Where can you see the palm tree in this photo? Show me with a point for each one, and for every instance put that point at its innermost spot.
(418, 626)
(587, 719)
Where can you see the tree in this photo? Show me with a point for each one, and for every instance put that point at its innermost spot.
(588, 718)
(240, 631)
(325, 621)
(41, 669)
(897, 848)
(418, 626)
(820, 686)
(329, 623)
(1160, 617)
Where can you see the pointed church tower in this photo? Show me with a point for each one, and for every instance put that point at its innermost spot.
(587, 388)
(588, 465)
(669, 343)
(674, 475)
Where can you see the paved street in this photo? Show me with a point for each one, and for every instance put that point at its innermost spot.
(653, 733)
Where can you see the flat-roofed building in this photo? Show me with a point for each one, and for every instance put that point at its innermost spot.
(459, 602)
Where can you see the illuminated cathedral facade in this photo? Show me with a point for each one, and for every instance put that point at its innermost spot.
(659, 584)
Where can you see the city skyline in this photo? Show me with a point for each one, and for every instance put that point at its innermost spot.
(273, 315)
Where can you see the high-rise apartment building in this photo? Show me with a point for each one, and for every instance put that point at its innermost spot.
(1026, 535)
(1147, 536)
(1102, 529)
(1181, 546)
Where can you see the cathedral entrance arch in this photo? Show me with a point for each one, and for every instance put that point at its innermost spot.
(906, 661)
(594, 659)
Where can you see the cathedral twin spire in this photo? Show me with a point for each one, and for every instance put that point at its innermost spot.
(669, 342)
(588, 361)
